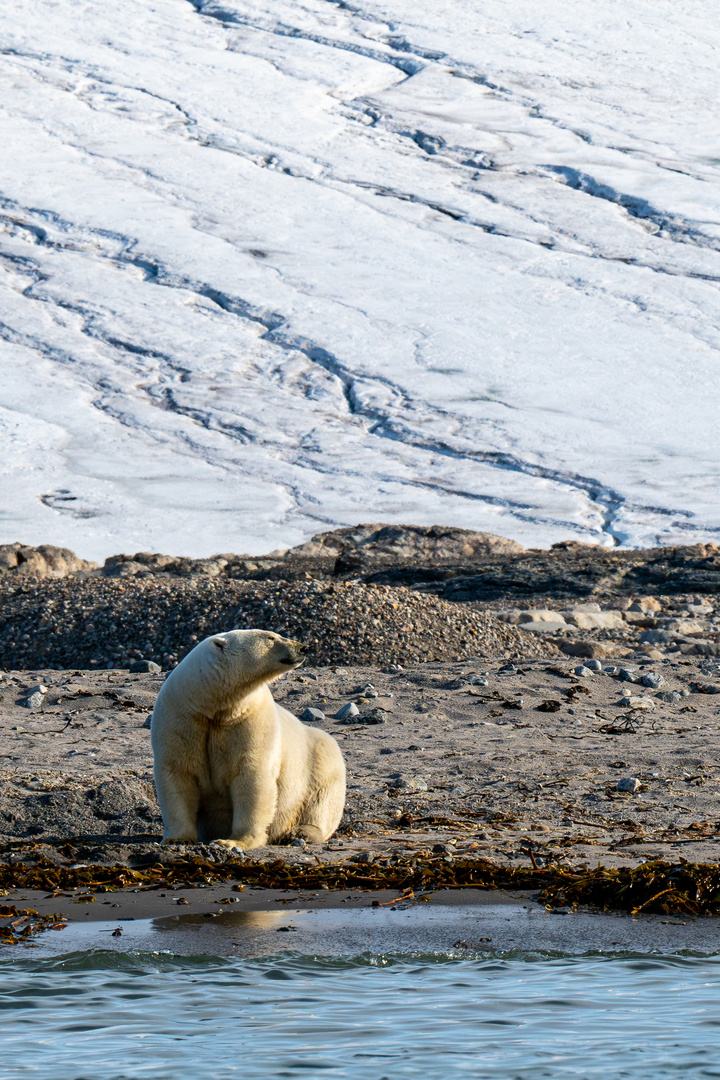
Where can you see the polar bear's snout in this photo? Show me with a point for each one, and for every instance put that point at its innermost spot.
(292, 652)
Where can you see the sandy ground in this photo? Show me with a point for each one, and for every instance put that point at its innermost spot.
(476, 768)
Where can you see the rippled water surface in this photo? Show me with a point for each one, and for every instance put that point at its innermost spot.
(120, 1015)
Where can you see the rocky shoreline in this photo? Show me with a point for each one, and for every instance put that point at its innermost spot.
(545, 733)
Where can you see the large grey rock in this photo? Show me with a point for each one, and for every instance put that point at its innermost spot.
(597, 620)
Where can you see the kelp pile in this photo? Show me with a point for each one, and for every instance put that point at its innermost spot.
(658, 887)
(18, 925)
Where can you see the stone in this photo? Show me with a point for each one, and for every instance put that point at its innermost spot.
(125, 569)
(600, 620)
(594, 665)
(44, 561)
(590, 607)
(372, 716)
(39, 688)
(34, 701)
(705, 688)
(670, 697)
(542, 627)
(539, 615)
(148, 722)
(646, 604)
(653, 680)
(629, 783)
(476, 680)
(145, 666)
(686, 626)
(312, 716)
(583, 672)
(299, 842)
(700, 609)
(365, 857)
(370, 691)
(347, 711)
(628, 675)
(631, 701)
(408, 783)
(595, 650)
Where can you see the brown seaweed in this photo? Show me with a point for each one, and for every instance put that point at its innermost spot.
(667, 888)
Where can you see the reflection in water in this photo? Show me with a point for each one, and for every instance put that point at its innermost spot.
(233, 920)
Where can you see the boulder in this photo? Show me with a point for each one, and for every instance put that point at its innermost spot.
(597, 620)
(44, 561)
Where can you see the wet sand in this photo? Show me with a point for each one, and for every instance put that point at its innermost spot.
(468, 923)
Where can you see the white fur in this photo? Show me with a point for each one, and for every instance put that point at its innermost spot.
(232, 765)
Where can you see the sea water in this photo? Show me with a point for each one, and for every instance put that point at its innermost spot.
(113, 1014)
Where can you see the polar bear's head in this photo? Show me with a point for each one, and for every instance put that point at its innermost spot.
(239, 660)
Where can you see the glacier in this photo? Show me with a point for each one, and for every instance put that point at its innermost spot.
(272, 268)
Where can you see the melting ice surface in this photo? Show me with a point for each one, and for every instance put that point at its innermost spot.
(272, 267)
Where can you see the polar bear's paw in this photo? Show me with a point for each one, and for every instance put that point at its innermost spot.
(243, 844)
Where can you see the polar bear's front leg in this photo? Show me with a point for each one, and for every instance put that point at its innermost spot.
(179, 798)
(254, 801)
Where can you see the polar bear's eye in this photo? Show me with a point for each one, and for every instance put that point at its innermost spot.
(219, 643)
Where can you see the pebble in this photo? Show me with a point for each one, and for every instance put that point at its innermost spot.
(408, 783)
(629, 783)
(630, 701)
(34, 700)
(653, 680)
(372, 716)
(312, 716)
(583, 671)
(476, 680)
(299, 842)
(670, 697)
(148, 722)
(628, 675)
(593, 665)
(365, 857)
(370, 691)
(347, 711)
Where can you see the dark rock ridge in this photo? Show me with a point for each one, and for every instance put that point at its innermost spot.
(455, 564)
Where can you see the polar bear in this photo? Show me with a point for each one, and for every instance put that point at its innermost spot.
(232, 765)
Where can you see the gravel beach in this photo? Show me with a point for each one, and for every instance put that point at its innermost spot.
(567, 734)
